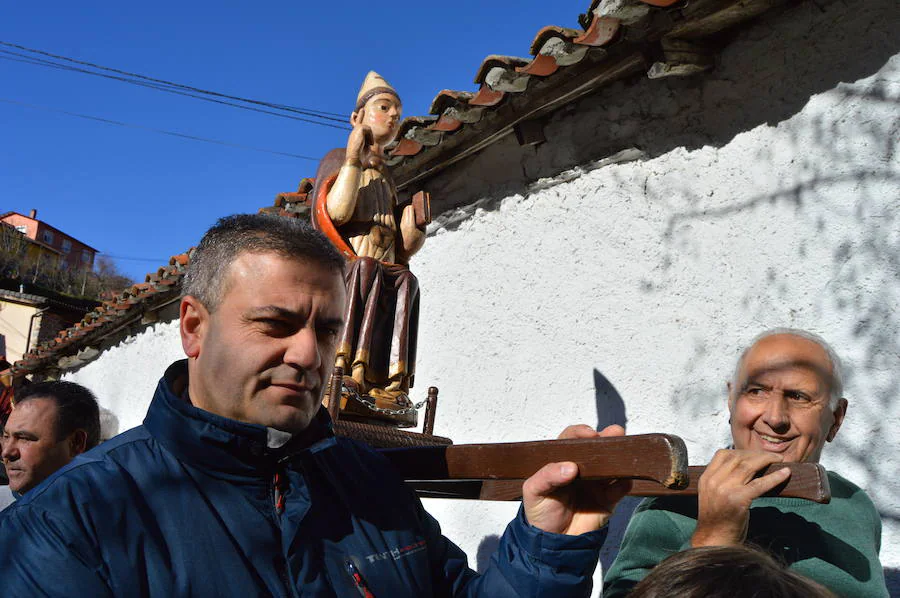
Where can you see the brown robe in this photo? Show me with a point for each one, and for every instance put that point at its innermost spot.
(382, 313)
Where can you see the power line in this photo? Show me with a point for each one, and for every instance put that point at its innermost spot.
(40, 62)
(160, 131)
(135, 259)
(169, 86)
(310, 111)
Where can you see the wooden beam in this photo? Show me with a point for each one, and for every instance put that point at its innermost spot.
(808, 481)
(661, 458)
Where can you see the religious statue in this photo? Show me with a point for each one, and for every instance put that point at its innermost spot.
(356, 205)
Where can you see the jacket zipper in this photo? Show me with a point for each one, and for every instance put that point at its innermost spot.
(279, 487)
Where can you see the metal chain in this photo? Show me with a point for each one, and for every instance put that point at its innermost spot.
(369, 403)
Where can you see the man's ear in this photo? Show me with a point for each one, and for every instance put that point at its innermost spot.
(356, 117)
(193, 325)
(839, 412)
(77, 442)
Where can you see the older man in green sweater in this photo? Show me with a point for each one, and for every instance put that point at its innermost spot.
(785, 404)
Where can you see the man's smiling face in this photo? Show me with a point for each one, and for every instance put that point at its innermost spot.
(782, 402)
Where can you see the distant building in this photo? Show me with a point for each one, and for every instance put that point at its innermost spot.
(27, 318)
(49, 240)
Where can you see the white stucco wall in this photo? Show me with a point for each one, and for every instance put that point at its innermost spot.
(125, 376)
(654, 272)
(768, 195)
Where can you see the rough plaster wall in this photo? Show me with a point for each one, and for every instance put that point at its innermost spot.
(124, 377)
(769, 196)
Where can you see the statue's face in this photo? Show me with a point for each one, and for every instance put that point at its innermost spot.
(382, 115)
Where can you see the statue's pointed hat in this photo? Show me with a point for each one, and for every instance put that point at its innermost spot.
(372, 86)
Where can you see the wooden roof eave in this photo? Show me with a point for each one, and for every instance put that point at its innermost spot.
(542, 97)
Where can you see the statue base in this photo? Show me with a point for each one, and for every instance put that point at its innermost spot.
(377, 406)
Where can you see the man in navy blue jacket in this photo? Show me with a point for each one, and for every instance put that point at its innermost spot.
(236, 485)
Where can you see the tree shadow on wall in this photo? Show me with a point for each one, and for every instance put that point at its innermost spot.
(863, 289)
(850, 206)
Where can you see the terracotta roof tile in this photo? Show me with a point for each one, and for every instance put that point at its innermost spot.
(506, 64)
(486, 96)
(447, 124)
(180, 260)
(554, 47)
(660, 3)
(552, 32)
(500, 74)
(447, 98)
(160, 287)
(542, 65)
(601, 32)
(406, 147)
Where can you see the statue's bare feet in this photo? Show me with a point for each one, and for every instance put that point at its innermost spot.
(351, 384)
(397, 397)
(359, 376)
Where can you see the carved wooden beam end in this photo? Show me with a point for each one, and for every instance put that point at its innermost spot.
(808, 480)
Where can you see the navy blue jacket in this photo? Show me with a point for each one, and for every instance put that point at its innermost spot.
(186, 505)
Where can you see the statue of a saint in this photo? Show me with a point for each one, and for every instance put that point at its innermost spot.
(356, 206)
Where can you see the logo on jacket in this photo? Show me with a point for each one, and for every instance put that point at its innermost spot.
(397, 553)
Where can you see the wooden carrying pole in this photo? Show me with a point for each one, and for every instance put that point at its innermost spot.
(656, 463)
(661, 458)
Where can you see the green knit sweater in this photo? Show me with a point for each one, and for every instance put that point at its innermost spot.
(835, 544)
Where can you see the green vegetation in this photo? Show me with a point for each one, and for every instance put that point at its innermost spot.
(21, 264)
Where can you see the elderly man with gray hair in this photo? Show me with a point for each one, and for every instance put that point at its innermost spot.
(785, 402)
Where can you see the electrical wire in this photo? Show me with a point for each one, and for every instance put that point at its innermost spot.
(39, 62)
(164, 82)
(168, 86)
(160, 131)
(135, 259)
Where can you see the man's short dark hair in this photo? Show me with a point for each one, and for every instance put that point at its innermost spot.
(76, 408)
(726, 572)
(255, 233)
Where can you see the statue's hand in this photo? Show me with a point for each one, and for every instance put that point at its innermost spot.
(360, 137)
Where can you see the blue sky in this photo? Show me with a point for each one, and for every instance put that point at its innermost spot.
(132, 193)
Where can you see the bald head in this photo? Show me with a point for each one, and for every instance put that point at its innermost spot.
(833, 371)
